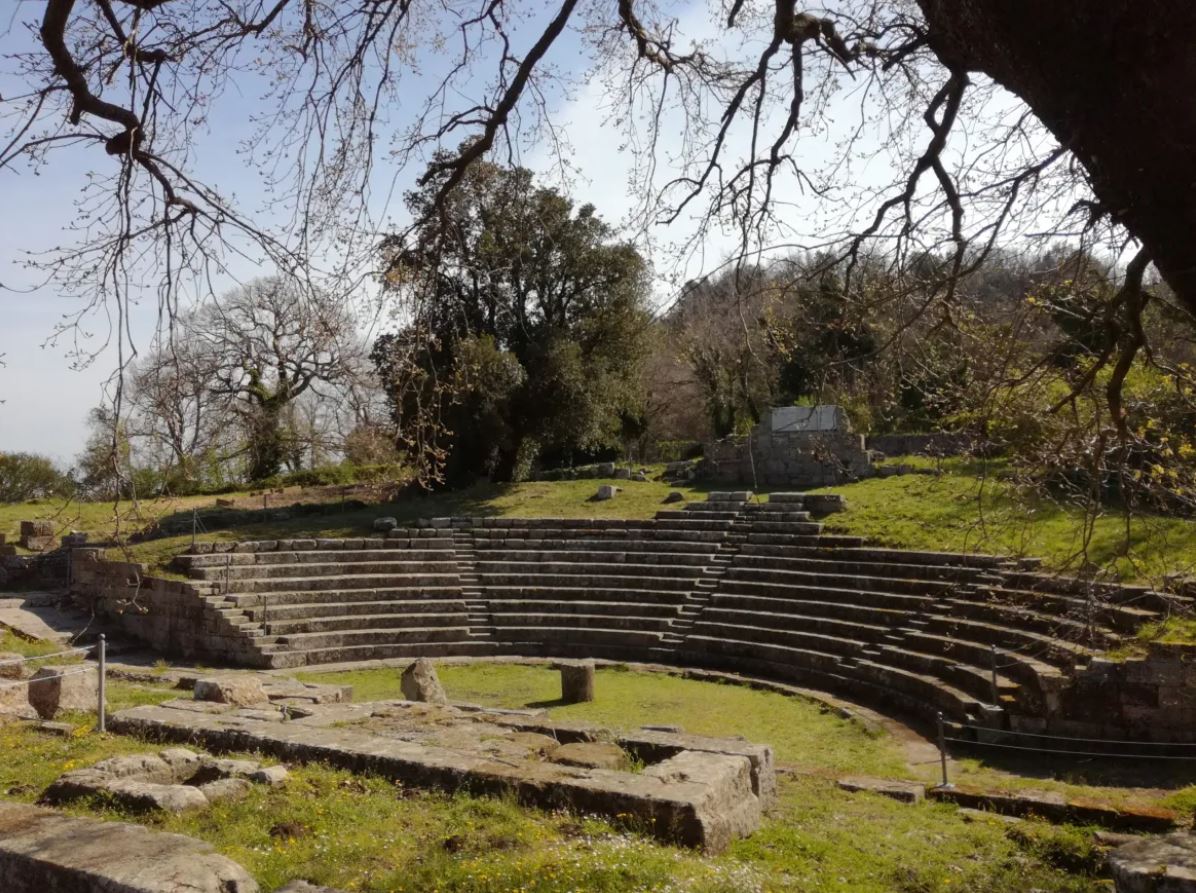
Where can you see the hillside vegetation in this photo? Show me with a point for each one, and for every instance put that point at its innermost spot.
(952, 506)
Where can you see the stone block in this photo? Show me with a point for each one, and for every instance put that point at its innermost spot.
(12, 665)
(605, 491)
(1155, 865)
(69, 687)
(904, 791)
(577, 681)
(221, 789)
(37, 528)
(591, 755)
(43, 850)
(149, 797)
(674, 496)
(14, 700)
(420, 683)
(243, 691)
(385, 525)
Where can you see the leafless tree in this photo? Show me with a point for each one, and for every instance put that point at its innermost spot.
(266, 346)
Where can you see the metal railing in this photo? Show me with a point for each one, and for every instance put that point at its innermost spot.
(100, 669)
(1042, 743)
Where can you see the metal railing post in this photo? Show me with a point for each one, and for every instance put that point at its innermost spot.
(992, 662)
(943, 750)
(103, 686)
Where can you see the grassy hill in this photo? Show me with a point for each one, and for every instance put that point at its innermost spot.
(962, 506)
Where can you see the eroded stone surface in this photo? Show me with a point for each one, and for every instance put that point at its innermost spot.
(591, 755)
(174, 780)
(420, 683)
(695, 791)
(1156, 865)
(243, 691)
(42, 850)
(904, 791)
(577, 681)
(68, 687)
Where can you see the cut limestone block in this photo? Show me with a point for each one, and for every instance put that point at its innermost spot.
(605, 491)
(68, 687)
(591, 755)
(243, 691)
(44, 850)
(905, 791)
(1156, 865)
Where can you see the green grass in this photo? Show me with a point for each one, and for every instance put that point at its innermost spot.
(801, 732)
(976, 507)
(364, 833)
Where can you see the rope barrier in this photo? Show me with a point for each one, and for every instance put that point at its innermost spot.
(22, 660)
(964, 725)
(44, 678)
(1070, 753)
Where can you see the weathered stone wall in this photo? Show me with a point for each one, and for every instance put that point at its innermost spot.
(935, 444)
(1151, 697)
(788, 458)
(171, 616)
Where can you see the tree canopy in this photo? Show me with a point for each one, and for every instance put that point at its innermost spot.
(525, 326)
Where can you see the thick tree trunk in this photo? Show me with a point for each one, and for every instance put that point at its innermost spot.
(1115, 82)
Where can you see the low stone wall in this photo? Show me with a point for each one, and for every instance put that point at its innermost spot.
(1152, 698)
(939, 443)
(171, 616)
(788, 459)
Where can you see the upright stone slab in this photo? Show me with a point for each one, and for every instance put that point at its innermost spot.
(66, 687)
(577, 681)
(420, 683)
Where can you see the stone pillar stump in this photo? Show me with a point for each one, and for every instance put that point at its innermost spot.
(577, 681)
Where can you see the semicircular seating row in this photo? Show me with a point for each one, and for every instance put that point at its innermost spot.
(730, 583)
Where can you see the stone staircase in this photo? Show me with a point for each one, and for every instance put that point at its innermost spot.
(732, 583)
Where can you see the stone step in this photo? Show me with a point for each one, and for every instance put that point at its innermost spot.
(686, 545)
(1119, 617)
(254, 600)
(778, 558)
(237, 559)
(427, 620)
(345, 582)
(345, 638)
(561, 635)
(583, 581)
(303, 571)
(567, 607)
(671, 535)
(695, 513)
(791, 613)
(792, 528)
(844, 580)
(487, 557)
(1025, 620)
(823, 540)
(1055, 651)
(583, 591)
(466, 646)
(503, 620)
(805, 666)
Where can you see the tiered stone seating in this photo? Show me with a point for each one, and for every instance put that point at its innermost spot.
(733, 583)
(602, 588)
(308, 601)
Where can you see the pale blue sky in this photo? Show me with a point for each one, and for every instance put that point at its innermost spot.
(46, 400)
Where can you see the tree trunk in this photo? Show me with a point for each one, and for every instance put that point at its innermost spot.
(1114, 82)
